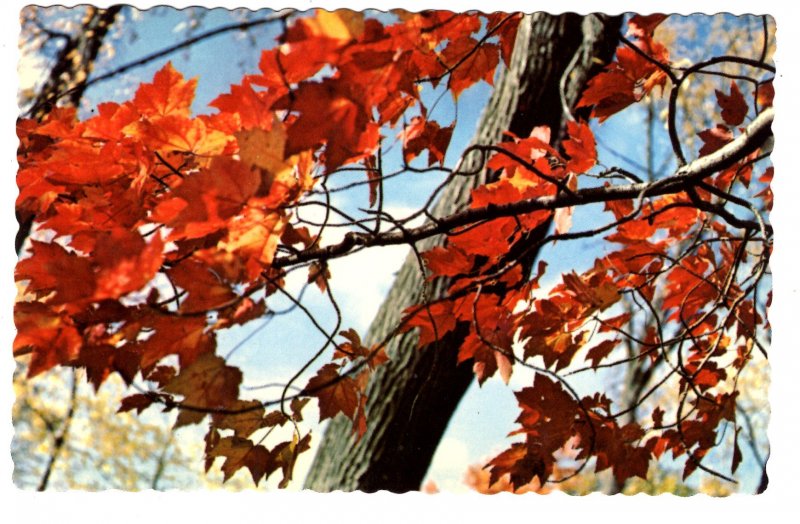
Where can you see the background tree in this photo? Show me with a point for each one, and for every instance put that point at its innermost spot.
(209, 210)
(67, 436)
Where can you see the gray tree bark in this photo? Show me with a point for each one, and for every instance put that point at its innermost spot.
(413, 396)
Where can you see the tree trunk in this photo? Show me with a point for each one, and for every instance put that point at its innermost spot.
(75, 62)
(413, 396)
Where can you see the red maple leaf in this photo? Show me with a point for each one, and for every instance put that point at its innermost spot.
(469, 63)
(334, 392)
(207, 383)
(580, 147)
(734, 107)
(643, 26)
(168, 95)
(423, 134)
(330, 115)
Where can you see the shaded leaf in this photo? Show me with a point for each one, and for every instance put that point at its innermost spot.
(242, 453)
(335, 393)
(734, 107)
(207, 384)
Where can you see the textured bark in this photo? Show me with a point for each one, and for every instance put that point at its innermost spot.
(412, 397)
(67, 80)
(75, 62)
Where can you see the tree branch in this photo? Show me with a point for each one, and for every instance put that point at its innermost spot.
(685, 177)
(239, 26)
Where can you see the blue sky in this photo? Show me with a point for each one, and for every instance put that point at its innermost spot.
(478, 409)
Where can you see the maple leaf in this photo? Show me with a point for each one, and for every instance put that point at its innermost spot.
(204, 288)
(592, 290)
(548, 414)
(562, 218)
(124, 262)
(204, 201)
(643, 26)
(99, 358)
(534, 150)
(110, 121)
(161, 375)
(503, 191)
(486, 360)
(434, 320)
(335, 393)
(264, 148)
(246, 418)
(36, 193)
(241, 312)
(186, 337)
(450, 261)
(609, 92)
(714, 138)
(341, 24)
(580, 147)
(287, 65)
(61, 275)
(423, 134)
(319, 274)
(734, 107)
(207, 383)
(286, 455)
(329, 114)
(625, 81)
(601, 351)
(471, 63)
(507, 33)
(242, 453)
(50, 336)
(137, 401)
(764, 94)
(633, 463)
(168, 95)
(296, 235)
(82, 161)
(296, 405)
(693, 462)
(736, 458)
(488, 239)
(522, 463)
(254, 234)
(251, 107)
(178, 133)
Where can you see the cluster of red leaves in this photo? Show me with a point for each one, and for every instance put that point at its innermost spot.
(551, 419)
(157, 228)
(485, 253)
(658, 262)
(636, 71)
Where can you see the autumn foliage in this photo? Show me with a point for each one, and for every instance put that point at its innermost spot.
(157, 228)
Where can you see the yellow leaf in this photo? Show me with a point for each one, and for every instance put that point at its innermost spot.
(264, 148)
(340, 25)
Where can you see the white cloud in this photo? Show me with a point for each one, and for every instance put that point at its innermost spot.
(361, 280)
(449, 465)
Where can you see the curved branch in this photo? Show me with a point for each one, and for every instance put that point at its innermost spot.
(685, 177)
